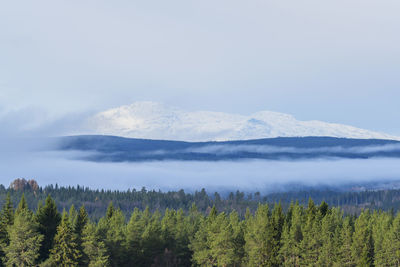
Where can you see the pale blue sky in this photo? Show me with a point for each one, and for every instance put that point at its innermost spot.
(336, 61)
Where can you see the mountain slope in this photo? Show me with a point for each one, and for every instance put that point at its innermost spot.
(119, 149)
(151, 120)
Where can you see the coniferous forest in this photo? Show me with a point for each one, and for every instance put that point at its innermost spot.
(299, 235)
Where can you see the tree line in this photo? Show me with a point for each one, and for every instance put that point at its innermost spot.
(304, 235)
(96, 201)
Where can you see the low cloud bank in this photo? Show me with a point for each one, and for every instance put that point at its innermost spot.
(262, 149)
(249, 175)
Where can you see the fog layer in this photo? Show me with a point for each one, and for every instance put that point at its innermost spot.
(61, 168)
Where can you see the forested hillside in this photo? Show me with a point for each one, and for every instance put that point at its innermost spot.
(311, 235)
(118, 149)
(96, 201)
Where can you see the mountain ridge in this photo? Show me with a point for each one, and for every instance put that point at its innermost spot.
(151, 120)
(122, 149)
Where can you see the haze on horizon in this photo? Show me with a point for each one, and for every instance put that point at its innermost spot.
(330, 61)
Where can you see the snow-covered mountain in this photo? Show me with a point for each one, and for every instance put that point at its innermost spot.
(152, 120)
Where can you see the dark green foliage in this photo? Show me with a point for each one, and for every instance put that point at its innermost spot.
(22, 206)
(24, 240)
(94, 249)
(48, 219)
(79, 223)
(363, 247)
(112, 228)
(96, 201)
(65, 251)
(317, 235)
(6, 220)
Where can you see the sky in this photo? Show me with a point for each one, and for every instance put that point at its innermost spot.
(335, 61)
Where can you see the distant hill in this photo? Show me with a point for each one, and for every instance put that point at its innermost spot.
(157, 121)
(119, 149)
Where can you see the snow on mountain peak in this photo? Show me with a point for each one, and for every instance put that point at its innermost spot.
(152, 120)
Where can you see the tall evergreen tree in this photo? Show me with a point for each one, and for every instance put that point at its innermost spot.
(292, 237)
(221, 241)
(81, 219)
(152, 242)
(363, 247)
(134, 231)
(6, 220)
(260, 242)
(238, 228)
(95, 251)
(344, 257)
(330, 237)
(391, 245)
(25, 240)
(64, 251)
(311, 229)
(22, 205)
(381, 224)
(48, 219)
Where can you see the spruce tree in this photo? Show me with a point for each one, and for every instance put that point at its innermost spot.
(292, 237)
(200, 243)
(6, 220)
(221, 241)
(330, 237)
(72, 215)
(238, 228)
(81, 219)
(260, 242)
(381, 224)
(115, 238)
(311, 229)
(344, 257)
(64, 251)
(25, 240)
(95, 251)
(134, 231)
(213, 244)
(48, 219)
(22, 205)
(362, 247)
(391, 245)
(152, 242)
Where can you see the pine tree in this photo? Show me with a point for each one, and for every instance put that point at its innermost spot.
(25, 240)
(381, 224)
(48, 219)
(81, 219)
(200, 243)
(278, 220)
(94, 249)
(221, 242)
(72, 214)
(391, 245)
(64, 251)
(134, 232)
(238, 238)
(213, 244)
(168, 234)
(311, 243)
(152, 242)
(344, 257)
(362, 248)
(260, 242)
(6, 220)
(330, 237)
(292, 237)
(115, 237)
(22, 205)
(182, 239)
